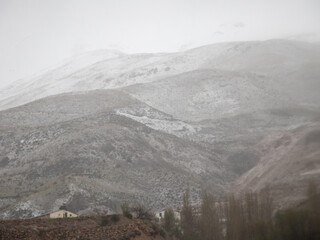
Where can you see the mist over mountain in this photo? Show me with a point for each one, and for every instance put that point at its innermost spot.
(108, 127)
(274, 65)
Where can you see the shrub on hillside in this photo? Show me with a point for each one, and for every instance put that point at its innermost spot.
(103, 221)
(115, 218)
(126, 210)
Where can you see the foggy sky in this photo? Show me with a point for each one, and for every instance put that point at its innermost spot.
(35, 34)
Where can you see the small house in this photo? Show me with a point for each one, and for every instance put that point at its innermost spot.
(160, 214)
(61, 213)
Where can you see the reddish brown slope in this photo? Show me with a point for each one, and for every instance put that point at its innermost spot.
(289, 160)
(84, 228)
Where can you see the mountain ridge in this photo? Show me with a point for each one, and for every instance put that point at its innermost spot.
(126, 70)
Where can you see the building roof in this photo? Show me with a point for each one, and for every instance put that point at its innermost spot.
(48, 214)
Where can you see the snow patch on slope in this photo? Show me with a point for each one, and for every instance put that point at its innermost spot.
(171, 126)
(25, 209)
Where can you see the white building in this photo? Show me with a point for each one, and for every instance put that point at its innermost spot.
(62, 214)
(160, 214)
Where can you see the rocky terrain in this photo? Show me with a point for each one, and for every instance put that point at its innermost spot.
(84, 228)
(64, 149)
(109, 127)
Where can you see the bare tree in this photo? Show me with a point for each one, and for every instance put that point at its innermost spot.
(266, 205)
(169, 220)
(188, 222)
(210, 227)
(233, 213)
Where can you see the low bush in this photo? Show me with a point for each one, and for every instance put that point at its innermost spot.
(103, 221)
(115, 218)
(126, 211)
(162, 233)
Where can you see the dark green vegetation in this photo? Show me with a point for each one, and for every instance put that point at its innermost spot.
(105, 220)
(126, 211)
(250, 217)
(103, 227)
(171, 224)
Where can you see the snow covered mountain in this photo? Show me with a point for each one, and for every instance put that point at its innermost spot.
(289, 67)
(106, 127)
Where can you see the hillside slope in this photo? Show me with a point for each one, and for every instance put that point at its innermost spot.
(211, 94)
(62, 149)
(288, 162)
(77, 229)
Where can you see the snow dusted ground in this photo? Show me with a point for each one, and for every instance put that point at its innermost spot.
(25, 209)
(162, 123)
(100, 156)
(109, 72)
(280, 62)
(58, 71)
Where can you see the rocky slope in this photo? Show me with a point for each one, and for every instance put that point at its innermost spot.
(210, 94)
(289, 160)
(76, 229)
(66, 149)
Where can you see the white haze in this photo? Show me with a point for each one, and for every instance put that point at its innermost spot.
(36, 34)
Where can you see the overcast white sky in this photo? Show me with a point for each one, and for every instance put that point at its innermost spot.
(35, 34)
